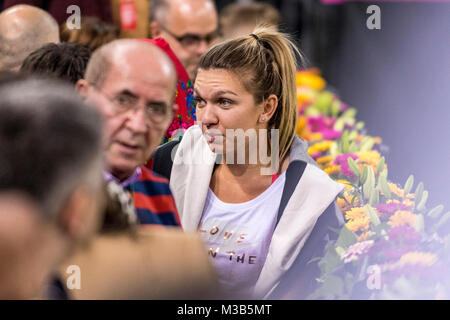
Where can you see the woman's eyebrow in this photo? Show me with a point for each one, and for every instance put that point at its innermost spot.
(218, 93)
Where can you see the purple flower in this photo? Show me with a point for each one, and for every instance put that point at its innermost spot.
(331, 134)
(342, 161)
(401, 239)
(388, 209)
(317, 124)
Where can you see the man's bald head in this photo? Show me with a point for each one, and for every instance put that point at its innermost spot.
(133, 85)
(119, 53)
(24, 29)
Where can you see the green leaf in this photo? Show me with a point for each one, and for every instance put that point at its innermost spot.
(345, 142)
(374, 197)
(352, 136)
(367, 144)
(384, 186)
(408, 184)
(323, 102)
(445, 218)
(363, 177)
(423, 201)
(372, 215)
(419, 224)
(418, 193)
(312, 111)
(334, 150)
(335, 106)
(369, 184)
(436, 211)
(352, 165)
(346, 238)
(353, 148)
(339, 124)
(380, 166)
(359, 126)
(349, 113)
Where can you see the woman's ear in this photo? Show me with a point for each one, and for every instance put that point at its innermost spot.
(270, 106)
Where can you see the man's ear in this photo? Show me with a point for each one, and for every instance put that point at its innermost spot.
(82, 87)
(155, 29)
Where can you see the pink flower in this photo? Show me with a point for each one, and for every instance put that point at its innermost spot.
(342, 161)
(356, 250)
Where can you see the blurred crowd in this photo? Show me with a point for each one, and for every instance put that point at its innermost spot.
(77, 186)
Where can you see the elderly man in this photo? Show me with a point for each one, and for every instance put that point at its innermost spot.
(51, 192)
(24, 29)
(132, 83)
(189, 26)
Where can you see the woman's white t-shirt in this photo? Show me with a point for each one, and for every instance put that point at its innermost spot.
(238, 235)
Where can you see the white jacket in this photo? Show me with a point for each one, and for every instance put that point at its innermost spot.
(190, 177)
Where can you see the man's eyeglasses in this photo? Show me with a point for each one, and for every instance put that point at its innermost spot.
(126, 102)
(191, 40)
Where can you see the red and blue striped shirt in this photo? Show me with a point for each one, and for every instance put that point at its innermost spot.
(153, 200)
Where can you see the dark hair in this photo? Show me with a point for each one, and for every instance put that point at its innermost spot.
(50, 141)
(266, 64)
(93, 33)
(66, 61)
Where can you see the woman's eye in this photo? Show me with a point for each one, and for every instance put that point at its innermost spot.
(224, 102)
(199, 102)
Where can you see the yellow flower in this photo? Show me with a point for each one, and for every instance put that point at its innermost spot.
(396, 190)
(324, 160)
(316, 136)
(358, 224)
(418, 258)
(343, 205)
(356, 213)
(402, 217)
(320, 146)
(332, 169)
(346, 183)
(369, 157)
(310, 78)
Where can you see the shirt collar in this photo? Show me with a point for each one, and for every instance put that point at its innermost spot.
(130, 180)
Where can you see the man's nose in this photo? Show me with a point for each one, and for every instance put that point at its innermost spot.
(202, 47)
(137, 121)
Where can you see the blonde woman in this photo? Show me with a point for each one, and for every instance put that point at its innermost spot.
(262, 221)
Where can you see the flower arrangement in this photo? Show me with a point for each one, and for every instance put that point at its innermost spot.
(392, 246)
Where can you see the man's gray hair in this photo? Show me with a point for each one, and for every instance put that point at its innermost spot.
(50, 142)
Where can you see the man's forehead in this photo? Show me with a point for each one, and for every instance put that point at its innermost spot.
(193, 17)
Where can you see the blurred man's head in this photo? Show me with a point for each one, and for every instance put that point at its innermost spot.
(239, 19)
(189, 26)
(50, 152)
(132, 83)
(24, 29)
